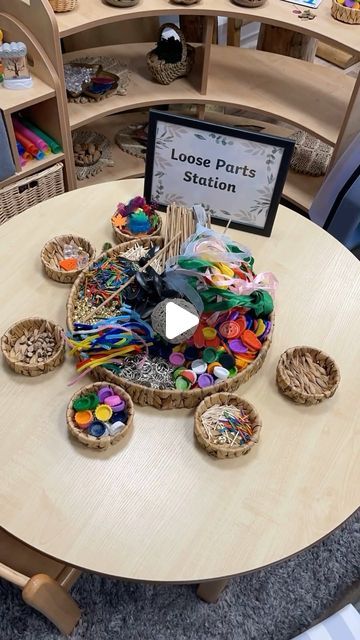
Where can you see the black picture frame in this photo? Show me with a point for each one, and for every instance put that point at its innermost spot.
(287, 145)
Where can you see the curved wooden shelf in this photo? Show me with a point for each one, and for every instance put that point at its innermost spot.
(253, 80)
(10, 99)
(299, 189)
(93, 13)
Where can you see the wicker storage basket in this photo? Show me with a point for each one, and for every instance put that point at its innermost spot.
(187, 2)
(122, 3)
(253, 4)
(307, 375)
(52, 253)
(226, 450)
(164, 398)
(21, 332)
(126, 237)
(345, 14)
(105, 441)
(166, 72)
(63, 5)
(30, 191)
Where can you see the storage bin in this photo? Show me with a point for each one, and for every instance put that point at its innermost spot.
(30, 191)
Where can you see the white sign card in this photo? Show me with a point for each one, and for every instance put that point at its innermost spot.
(234, 174)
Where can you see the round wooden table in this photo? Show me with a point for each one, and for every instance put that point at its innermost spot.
(157, 507)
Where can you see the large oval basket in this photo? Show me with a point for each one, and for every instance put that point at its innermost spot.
(165, 398)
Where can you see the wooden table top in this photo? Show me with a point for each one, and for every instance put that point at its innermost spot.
(157, 507)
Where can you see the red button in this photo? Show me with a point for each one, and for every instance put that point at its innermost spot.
(229, 329)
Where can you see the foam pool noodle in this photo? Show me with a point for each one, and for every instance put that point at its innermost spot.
(54, 146)
(30, 135)
(29, 146)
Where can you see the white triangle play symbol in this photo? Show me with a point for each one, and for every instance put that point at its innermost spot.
(178, 320)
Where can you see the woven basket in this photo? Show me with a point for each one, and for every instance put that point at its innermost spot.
(253, 4)
(30, 191)
(307, 375)
(311, 156)
(226, 450)
(119, 250)
(345, 14)
(30, 327)
(167, 72)
(52, 253)
(122, 3)
(187, 2)
(63, 5)
(164, 398)
(105, 441)
(126, 237)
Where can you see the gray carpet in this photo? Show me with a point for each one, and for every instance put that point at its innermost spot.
(272, 604)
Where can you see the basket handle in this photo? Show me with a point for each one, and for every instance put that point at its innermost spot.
(174, 27)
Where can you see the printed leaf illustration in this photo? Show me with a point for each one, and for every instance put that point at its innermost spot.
(198, 135)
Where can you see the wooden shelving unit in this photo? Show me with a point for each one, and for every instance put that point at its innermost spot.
(43, 102)
(266, 86)
(320, 100)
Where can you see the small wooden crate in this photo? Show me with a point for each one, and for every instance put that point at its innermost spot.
(105, 441)
(226, 450)
(30, 191)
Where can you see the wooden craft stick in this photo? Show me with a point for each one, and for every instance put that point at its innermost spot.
(116, 293)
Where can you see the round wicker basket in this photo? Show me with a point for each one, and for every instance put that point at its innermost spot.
(253, 4)
(63, 5)
(105, 441)
(164, 398)
(187, 2)
(122, 3)
(166, 72)
(52, 253)
(226, 450)
(345, 14)
(15, 341)
(307, 375)
(125, 237)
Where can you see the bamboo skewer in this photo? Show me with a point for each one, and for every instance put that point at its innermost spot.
(123, 286)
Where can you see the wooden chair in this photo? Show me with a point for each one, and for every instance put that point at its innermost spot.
(44, 582)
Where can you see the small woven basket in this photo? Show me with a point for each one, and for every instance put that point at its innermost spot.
(345, 14)
(13, 344)
(307, 375)
(166, 72)
(52, 253)
(122, 3)
(105, 441)
(187, 2)
(126, 237)
(253, 4)
(63, 5)
(226, 450)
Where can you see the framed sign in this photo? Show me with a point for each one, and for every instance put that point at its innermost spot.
(237, 176)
